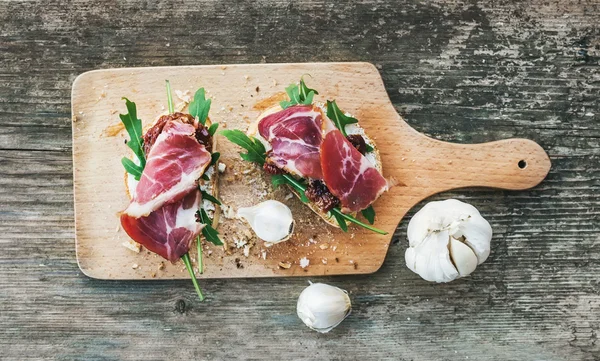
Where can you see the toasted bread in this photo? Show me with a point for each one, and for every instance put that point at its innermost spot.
(374, 157)
(209, 186)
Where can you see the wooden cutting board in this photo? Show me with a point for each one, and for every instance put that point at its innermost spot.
(425, 166)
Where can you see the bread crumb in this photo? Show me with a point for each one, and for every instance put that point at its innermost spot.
(183, 95)
(324, 260)
(228, 211)
(132, 245)
(161, 266)
(324, 246)
(239, 242)
(222, 166)
(135, 266)
(263, 254)
(285, 265)
(247, 250)
(304, 262)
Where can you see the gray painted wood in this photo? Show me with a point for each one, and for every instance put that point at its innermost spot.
(460, 71)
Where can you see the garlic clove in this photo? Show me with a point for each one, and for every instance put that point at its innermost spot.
(463, 257)
(431, 258)
(271, 220)
(477, 233)
(322, 307)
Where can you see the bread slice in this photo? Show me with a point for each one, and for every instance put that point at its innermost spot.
(210, 186)
(374, 157)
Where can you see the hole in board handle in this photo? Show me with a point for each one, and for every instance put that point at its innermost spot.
(522, 164)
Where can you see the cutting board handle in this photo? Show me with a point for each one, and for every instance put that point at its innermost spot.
(507, 164)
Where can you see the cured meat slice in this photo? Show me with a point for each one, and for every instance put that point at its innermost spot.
(173, 166)
(295, 137)
(349, 175)
(167, 231)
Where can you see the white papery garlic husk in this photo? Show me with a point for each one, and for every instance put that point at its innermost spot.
(447, 240)
(271, 220)
(322, 307)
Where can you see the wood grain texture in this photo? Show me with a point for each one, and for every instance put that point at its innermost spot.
(422, 165)
(467, 72)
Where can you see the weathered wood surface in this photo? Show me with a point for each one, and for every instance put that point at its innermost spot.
(459, 71)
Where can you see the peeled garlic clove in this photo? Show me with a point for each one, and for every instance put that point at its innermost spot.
(271, 220)
(322, 307)
(447, 240)
(463, 257)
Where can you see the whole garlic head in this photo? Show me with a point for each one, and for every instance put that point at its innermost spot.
(322, 307)
(447, 240)
(271, 220)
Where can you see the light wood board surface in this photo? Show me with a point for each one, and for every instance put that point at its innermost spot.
(423, 167)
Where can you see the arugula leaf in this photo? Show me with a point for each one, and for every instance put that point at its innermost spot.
(214, 158)
(369, 149)
(338, 117)
(369, 214)
(204, 218)
(169, 97)
(294, 93)
(298, 185)
(278, 180)
(132, 168)
(209, 197)
(133, 125)
(305, 92)
(208, 231)
(200, 106)
(188, 264)
(211, 235)
(340, 221)
(349, 218)
(213, 128)
(256, 150)
(205, 177)
(299, 94)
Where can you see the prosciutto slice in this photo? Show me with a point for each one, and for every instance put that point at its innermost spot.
(174, 164)
(349, 175)
(169, 230)
(295, 137)
(162, 213)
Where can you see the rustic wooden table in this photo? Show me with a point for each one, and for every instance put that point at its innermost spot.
(471, 71)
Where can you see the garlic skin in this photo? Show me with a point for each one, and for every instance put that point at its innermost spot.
(322, 307)
(271, 220)
(447, 240)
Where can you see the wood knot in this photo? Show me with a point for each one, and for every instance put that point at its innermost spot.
(180, 306)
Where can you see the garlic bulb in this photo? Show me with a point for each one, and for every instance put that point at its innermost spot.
(447, 240)
(322, 307)
(271, 220)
